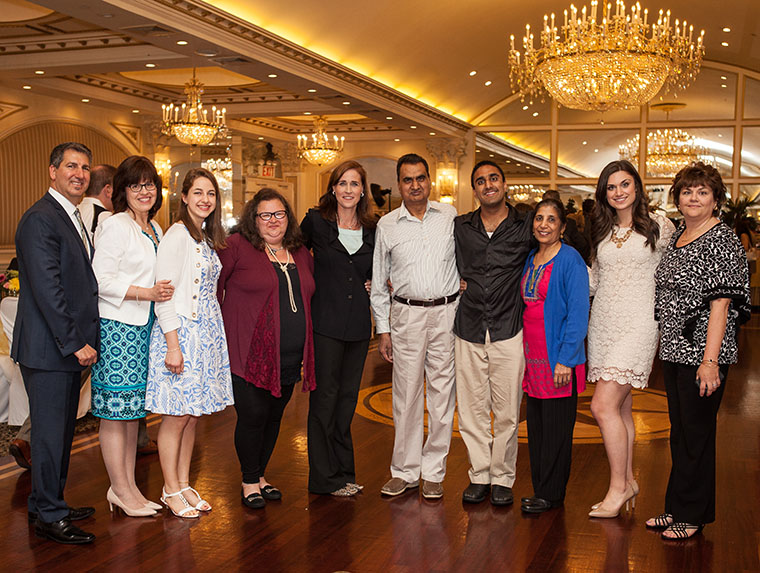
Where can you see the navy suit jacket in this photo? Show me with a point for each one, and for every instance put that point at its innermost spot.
(58, 300)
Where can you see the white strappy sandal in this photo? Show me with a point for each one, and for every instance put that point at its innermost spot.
(182, 512)
(202, 504)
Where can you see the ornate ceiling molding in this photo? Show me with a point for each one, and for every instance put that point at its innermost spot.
(131, 133)
(7, 109)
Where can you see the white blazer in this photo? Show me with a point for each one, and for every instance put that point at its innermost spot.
(124, 256)
(179, 260)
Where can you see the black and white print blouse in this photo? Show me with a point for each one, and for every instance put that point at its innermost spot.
(687, 279)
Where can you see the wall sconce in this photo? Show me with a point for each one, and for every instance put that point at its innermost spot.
(446, 184)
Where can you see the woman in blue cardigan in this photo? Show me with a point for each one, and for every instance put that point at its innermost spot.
(556, 294)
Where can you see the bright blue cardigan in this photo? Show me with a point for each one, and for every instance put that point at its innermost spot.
(566, 307)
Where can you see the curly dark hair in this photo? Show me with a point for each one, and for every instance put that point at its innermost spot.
(247, 225)
(698, 174)
(604, 216)
(328, 204)
(135, 169)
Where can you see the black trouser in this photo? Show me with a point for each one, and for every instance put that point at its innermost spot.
(550, 443)
(690, 496)
(339, 367)
(258, 424)
(53, 400)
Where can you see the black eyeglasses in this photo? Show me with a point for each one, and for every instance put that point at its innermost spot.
(137, 187)
(266, 216)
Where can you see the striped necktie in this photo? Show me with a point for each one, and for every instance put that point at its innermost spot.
(85, 238)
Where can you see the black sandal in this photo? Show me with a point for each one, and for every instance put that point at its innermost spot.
(682, 531)
(662, 521)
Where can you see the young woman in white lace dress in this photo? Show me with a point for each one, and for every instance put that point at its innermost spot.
(628, 243)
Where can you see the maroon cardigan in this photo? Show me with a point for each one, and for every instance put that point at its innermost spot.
(248, 293)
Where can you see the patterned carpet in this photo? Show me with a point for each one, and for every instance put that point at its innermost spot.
(7, 433)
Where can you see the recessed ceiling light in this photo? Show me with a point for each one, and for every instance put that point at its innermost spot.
(85, 100)
(535, 114)
(723, 85)
(412, 127)
(388, 117)
(346, 103)
(260, 138)
(490, 155)
(107, 15)
(312, 91)
(525, 107)
(585, 143)
(477, 151)
(473, 72)
(724, 44)
(39, 72)
(27, 87)
(207, 53)
(596, 151)
(488, 83)
(509, 161)
(726, 29)
(527, 167)
(397, 139)
(272, 76)
(432, 133)
(150, 65)
(723, 77)
(135, 111)
(720, 135)
(518, 165)
(182, 42)
(307, 113)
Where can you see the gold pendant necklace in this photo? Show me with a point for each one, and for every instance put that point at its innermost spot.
(620, 240)
(284, 269)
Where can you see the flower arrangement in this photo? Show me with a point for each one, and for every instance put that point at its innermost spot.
(9, 283)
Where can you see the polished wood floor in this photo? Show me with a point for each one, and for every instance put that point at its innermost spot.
(407, 534)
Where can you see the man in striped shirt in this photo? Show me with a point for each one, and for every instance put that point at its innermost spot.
(414, 249)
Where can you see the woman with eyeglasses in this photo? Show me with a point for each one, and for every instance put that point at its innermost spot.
(265, 290)
(341, 234)
(189, 374)
(125, 266)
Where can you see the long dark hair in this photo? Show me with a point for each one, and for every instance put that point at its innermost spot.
(134, 169)
(603, 216)
(247, 226)
(328, 204)
(212, 231)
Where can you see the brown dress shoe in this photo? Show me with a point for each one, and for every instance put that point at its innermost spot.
(150, 448)
(397, 486)
(21, 452)
(432, 489)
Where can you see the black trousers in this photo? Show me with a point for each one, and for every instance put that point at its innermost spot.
(550, 443)
(339, 367)
(53, 401)
(258, 424)
(690, 496)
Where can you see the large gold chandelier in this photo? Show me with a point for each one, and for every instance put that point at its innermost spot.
(320, 150)
(668, 150)
(615, 62)
(191, 123)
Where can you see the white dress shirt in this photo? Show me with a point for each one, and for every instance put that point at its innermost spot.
(417, 255)
(70, 209)
(124, 256)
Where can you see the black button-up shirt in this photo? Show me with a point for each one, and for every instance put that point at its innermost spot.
(492, 268)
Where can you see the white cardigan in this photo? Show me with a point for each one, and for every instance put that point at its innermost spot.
(179, 260)
(124, 256)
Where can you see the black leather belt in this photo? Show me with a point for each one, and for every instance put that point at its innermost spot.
(435, 302)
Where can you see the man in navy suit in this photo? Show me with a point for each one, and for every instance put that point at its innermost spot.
(56, 334)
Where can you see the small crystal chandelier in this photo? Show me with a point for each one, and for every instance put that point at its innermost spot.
(524, 193)
(190, 123)
(668, 150)
(617, 62)
(320, 151)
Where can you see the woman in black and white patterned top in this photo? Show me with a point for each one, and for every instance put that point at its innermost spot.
(702, 296)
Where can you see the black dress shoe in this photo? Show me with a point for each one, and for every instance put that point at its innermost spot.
(253, 500)
(62, 531)
(501, 495)
(476, 492)
(271, 493)
(536, 505)
(75, 513)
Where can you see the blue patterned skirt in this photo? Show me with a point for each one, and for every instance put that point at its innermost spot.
(120, 374)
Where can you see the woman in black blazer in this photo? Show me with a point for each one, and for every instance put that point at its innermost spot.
(341, 234)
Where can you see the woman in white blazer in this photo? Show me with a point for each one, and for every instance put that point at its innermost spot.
(124, 264)
(189, 373)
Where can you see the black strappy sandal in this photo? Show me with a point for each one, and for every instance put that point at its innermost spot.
(662, 521)
(682, 531)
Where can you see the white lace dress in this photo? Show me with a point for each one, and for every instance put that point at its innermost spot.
(622, 332)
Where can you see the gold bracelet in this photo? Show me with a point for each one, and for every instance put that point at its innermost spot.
(172, 349)
(708, 362)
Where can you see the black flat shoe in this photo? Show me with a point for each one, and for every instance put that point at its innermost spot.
(253, 500)
(476, 492)
(271, 493)
(62, 531)
(501, 495)
(535, 505)
(75, 514)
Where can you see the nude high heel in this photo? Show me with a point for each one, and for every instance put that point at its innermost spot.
(114, 500)
(634, 487)
(604, 512)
